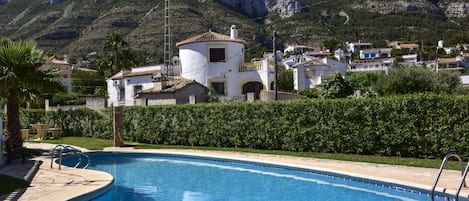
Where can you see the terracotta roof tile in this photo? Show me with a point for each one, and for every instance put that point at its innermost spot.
(173, 84)
(410, 45)
(209, 36)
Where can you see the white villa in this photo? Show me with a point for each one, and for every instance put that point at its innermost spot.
(124, 86)
(309, 72)
(355, 47)
(213, 60)
(217, 61)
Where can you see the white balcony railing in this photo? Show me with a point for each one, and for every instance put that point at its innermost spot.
(253, 66)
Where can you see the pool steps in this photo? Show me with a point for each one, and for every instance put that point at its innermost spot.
(464, 171)
(68, 150)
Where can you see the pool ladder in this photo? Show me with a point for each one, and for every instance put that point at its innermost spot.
(68, 150)
(463, 174)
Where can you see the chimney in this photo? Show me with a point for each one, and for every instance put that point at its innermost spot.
(160, 85)
(65, 58)
(234, 32)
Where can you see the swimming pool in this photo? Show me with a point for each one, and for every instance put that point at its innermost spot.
(170, 178)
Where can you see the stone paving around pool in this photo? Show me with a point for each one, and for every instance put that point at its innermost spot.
(68, 183)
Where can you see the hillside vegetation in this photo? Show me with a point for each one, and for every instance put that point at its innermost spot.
(79, 27)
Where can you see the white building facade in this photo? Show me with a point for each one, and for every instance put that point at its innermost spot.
(312, 72)
(124, 86)
(217, 62)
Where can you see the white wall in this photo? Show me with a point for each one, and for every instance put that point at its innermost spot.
(128, 83)
(196, 66)
(301, 82)
(146, 81)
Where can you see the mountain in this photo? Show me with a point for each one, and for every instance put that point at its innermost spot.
(79, 27)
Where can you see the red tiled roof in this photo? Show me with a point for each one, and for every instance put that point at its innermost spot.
(209, 36)
(410, 45)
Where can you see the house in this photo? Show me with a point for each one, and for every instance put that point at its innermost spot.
(375, 53)
(125, 85)
(450, 50)
(371, 65)
(408, 47)
(319, 53)
(295, 49)
(64, 69)
(174, 90)
(312, 73)
(449, 63)
(355, 47)
(217, 61)
(409, 59)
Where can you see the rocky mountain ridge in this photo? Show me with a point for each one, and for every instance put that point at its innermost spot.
(79, 27)
(459, 9)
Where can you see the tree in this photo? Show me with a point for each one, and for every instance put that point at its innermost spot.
(88, 82)
(285, 79)
(331, 44)
(365, 82)
(115, 43)
(418, 80)
(20, 77)
(118, 56)
(336, 87)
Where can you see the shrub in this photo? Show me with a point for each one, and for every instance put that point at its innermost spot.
(424, 126)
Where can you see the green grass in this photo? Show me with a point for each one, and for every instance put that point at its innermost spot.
(9, 184)
(390, 160)
(84, 142)
(99, 144)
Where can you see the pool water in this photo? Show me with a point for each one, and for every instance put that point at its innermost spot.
(170, 178)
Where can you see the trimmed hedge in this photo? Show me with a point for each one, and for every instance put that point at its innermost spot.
(424, 126)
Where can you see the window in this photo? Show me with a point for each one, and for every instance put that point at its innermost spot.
(121, 94)
(217, 54)
(219, 87)
(310, 74)
(137, 89)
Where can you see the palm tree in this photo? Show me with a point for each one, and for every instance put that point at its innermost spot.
(115, 42)
(20, 77)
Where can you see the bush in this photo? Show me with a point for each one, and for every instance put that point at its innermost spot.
(423, 126)
(67, 99)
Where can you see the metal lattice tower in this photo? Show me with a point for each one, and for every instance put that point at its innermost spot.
(168, 68)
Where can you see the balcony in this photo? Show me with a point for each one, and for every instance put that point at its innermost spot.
(253, 66)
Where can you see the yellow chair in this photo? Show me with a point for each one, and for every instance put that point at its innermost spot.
(55, 132)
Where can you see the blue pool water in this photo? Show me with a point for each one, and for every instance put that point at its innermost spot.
(142, 177)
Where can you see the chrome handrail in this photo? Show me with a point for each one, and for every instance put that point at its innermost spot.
(462, 182)
(69, 149)
(443, 163)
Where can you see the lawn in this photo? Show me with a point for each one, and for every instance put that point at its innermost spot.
(99, 144)
(9, 184)
(84, 142)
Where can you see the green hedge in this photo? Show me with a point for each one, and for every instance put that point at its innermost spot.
(423, 126)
